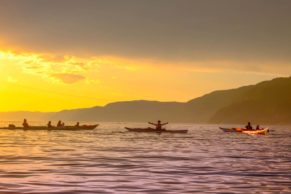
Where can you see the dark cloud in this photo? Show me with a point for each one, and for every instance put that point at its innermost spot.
(177, 30)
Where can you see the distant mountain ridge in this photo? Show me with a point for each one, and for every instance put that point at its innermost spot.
(268, 102)
(138, 111)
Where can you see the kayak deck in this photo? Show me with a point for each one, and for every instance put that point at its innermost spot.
(64, 128)
(152, 130)
(256, 132)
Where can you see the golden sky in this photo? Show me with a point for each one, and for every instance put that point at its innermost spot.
(50, 82)
(69, 54)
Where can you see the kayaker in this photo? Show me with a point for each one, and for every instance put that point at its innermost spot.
(249, 126)
(25, 124)
(158, 125)
(77, 124)
(59, 124)
(258, 127)
(49, 125)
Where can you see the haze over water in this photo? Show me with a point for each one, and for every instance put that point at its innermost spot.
(111, 160)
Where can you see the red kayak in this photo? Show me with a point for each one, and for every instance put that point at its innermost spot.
(262, 131)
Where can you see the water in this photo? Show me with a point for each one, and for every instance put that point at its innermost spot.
(111, 160)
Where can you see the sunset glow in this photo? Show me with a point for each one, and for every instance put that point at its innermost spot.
(145, 96)
(93, 53)
(51, 82)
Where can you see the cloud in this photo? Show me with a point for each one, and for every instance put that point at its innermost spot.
(68, 64)
(167, 30)
(66, 69)
(68, 78)
(93, 70)
(92, 81)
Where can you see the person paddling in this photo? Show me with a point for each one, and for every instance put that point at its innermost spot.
(25, 124)
(59, 124)
(158, 125)
(77, 124)
(49, 125)
(249, 126)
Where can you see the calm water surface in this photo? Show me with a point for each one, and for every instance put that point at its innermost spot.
(111, 160)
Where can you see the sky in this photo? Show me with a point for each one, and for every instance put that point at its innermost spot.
(66, 54)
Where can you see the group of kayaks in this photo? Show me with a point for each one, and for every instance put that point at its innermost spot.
(262, 131)
(92, 127)
(68, 128)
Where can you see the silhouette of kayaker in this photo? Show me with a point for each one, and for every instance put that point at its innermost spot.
(77, 124)
(25, 124)
(158, 125)
(49, 125)
(249, 126)
(59, 124)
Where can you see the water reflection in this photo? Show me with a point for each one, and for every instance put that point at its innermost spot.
(111, 160)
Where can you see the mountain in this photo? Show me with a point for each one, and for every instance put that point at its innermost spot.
(268, 102)
(18, 116)
(138, 111)
(203, 108)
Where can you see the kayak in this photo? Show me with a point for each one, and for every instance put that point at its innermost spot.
(68, 128)
(152, 130)
(256, 132)
(263, 131)
(228, 129)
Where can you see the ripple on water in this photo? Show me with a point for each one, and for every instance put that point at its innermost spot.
(110, 160)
